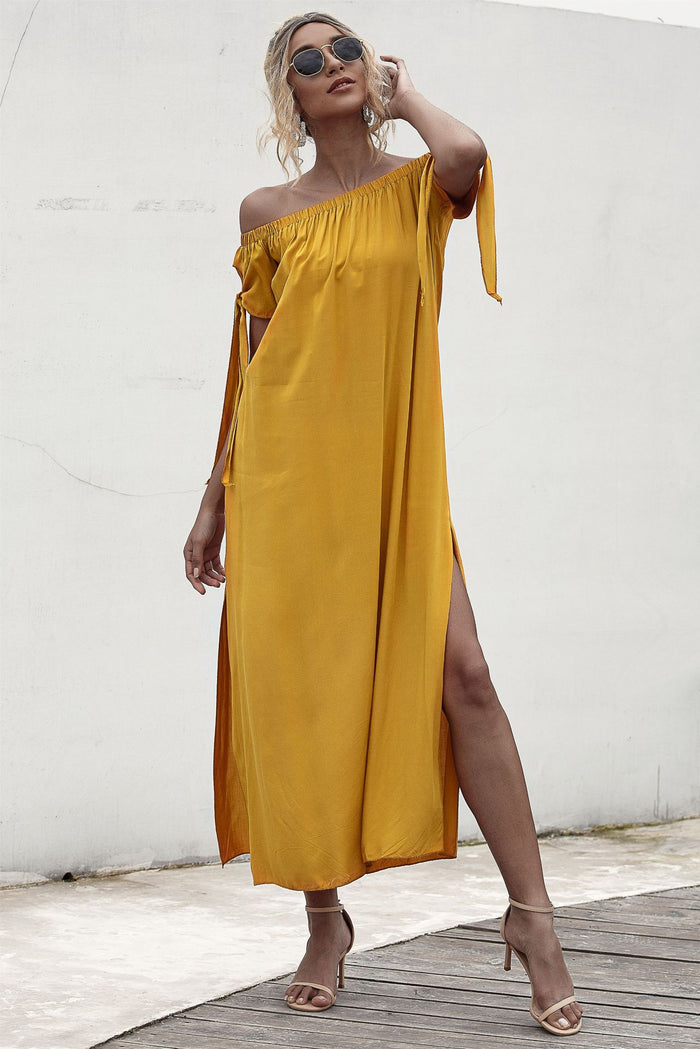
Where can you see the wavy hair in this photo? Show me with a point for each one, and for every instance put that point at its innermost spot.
(283, 124)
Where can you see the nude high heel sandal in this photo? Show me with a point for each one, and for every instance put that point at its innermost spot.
(308, 1007)
(542, 1017)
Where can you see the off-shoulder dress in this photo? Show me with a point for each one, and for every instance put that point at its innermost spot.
(332, 754)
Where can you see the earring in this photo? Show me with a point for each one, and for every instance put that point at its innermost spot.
(367, 114)
(301, 141)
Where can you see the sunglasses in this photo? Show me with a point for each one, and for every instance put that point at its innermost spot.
(311, 61)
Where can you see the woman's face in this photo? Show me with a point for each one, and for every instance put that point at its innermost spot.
(339, 89)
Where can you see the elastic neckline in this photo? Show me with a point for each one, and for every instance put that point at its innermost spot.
(367, 188)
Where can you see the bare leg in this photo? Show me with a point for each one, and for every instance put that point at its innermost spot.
(491, 779)
(329, 937)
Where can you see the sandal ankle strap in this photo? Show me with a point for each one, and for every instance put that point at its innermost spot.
(527, 907)
(338, 908)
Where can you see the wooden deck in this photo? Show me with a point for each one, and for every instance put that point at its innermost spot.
(634, 960)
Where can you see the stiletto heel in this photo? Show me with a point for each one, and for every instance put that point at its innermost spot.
(308, 1007)
(541, 1017)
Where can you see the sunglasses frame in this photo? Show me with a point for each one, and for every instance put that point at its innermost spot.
(321, 50)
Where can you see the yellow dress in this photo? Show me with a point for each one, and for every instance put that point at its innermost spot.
(332, 754)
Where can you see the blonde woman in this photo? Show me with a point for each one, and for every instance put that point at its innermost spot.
(354, 699)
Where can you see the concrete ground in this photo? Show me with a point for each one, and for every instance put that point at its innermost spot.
(86, 960)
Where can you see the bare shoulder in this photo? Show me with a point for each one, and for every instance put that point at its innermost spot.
(262, 206)
(270, 203)
(392, 163)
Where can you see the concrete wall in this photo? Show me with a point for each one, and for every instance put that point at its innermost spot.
(571, 420)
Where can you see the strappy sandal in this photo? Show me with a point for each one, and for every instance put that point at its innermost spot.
(541, 1017)
(308, 1007)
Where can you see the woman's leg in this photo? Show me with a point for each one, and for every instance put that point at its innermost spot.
(492, 782)
(329, 937)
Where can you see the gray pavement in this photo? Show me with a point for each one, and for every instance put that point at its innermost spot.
(87, 960)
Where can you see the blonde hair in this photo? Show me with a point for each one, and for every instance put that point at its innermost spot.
(283, 124)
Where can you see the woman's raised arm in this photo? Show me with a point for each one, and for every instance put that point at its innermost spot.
(459, 152)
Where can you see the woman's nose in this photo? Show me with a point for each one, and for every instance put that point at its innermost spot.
(332, 62)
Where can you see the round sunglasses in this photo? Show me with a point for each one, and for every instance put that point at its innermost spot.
(311, 61)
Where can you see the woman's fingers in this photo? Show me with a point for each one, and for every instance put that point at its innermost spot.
(196, 583)
(401, 83)
(203, 565)
(196, 568)
(202, 572)
(216, 568)
(193, 564)
(210, 575)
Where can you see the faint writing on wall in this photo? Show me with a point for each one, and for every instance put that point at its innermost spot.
(90, 204)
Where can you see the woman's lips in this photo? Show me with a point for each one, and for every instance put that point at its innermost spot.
(339, 84)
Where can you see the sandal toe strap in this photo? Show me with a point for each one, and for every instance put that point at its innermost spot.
(557, 1005)
(319, 986)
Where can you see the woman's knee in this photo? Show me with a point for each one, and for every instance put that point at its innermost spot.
(467, 683)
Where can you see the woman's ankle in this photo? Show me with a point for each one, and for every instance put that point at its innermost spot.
(322, 898)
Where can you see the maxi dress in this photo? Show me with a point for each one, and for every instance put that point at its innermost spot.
(332, 754)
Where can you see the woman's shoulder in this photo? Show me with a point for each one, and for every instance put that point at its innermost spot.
(270, 203)
(392, 163)
(261, 206)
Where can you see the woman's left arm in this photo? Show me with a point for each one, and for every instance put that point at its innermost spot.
(458, 151)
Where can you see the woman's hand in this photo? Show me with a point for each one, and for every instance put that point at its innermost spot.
(401, 86)
(458, 151)
(202, 551)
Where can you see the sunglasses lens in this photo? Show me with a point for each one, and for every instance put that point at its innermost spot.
(348, 48)
(308, 62)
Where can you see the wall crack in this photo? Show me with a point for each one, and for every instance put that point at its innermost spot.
(93, 484)
(14, 57)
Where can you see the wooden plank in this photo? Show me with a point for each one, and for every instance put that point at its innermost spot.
(462, 954)
(506, 985)
(423, 1010)
(638, 905)
(360, 993)
(247, 1038)
(167, 1040)
(452, 1031)
(323, 1032)
(646, 924)
(681, 926)
(343, 1029)
(319, 1032)
(667, 913)
(683, 932)
(588, 970)
(520, 991)
(584, 938)
(689, 892)
(672, 911)
(207, 1037)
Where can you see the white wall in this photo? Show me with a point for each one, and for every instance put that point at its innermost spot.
(666, 12)
(571, 417)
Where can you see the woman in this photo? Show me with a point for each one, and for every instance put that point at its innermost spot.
(354, 699)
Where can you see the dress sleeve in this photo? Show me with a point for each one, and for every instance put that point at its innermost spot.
(485, 218)
(256, 268)
(486, 228)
